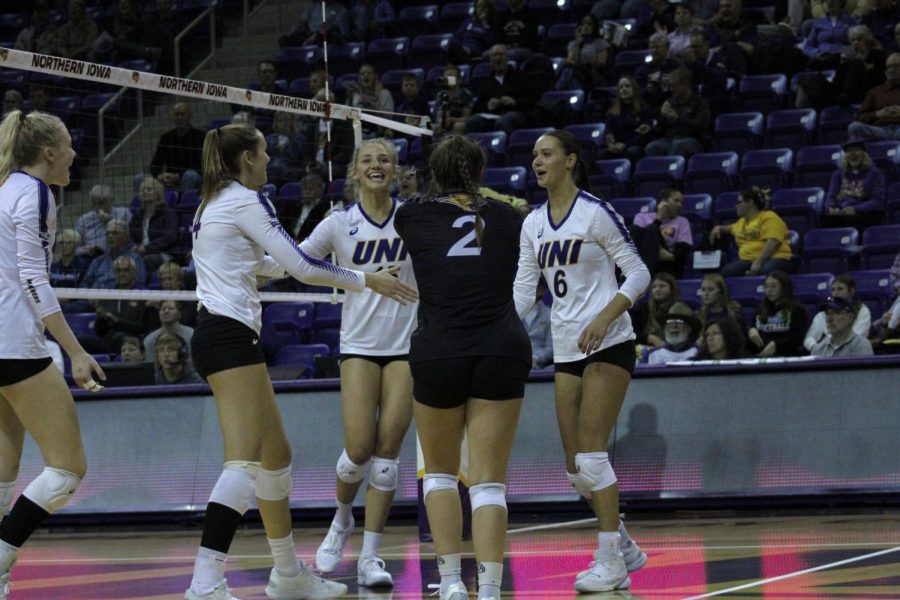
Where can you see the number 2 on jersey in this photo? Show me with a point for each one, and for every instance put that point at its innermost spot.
(462, 247)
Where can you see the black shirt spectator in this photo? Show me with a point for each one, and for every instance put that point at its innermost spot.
(504, 92)
(517, 27)
(179, 151)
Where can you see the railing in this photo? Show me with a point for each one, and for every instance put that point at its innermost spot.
(101, 127)
(210, 13)
(249, 15)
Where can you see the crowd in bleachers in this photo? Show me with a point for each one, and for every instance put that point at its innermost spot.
(679, 105)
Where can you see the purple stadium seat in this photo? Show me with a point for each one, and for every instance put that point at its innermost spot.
(762, 93)
(590, 136)
(799, 207)
(629, 207)
(290, 321)
(507, 180)
(725, 210)
(711, 173)
(301, 354)
(387, 53)
(454, 13)
(828, 250)
(792, 129)
(653, 173)
(697, 208)
(494, 142)
(297, 61)
(611, 178)
(815, 165)
(766, 168)
(880, 246)
(833, 122)
(346, 57)
(812, 288)
(520, 145)
(738, 132)
(421, 19)
(430, 50)
(327, 315)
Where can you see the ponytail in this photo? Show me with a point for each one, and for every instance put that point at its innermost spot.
(22, 137)
(222, 150)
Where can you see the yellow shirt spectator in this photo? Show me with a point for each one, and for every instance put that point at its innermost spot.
(751, 235)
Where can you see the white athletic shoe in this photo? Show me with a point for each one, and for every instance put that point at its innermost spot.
(4, 586)
(634, 557)
(456, 591)
(331, 550)
(306, 585)
(371, 573)
(603, 576)
(220, 593)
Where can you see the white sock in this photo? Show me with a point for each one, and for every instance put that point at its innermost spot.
(608, 545)
(209, 570)
(8, 555)
(490, 575)
(450, 569)
(371, 544)
(624, 538)
(7, 491)
(286, 562)
(343, 515)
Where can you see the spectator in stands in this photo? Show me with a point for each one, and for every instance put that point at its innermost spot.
(709, 73)
(368, 92)
(453, 103)
(475, 35)
(645, 316)
(309, 30)
(537, 324)
(301, 218)
(722, 340)
(159, 31)
(38, 97)
(286, 150)
(586, 58)
(116, 318)
(244, 116)
(761, 237)
(78, 33)
(154, 227)
(680, 331)
(879, 116)
(407, 182)
(131, 349)
(629, 123)
(502, 93)
(68, 267)
(716, 303)
(829, 36)
(684, 119)
(680, 36)
(842, 339)
(127, 33)
(317, 86)
(369, 19)
(176, 162)
(101, 273)
(412, 103)
(169, 322)
(733, 36)
(267, 76)
(517, 27)
(842, 287)
(780, 321)
(655, 16)
(171, 278)
(888, 325)
(895, 42)
(861, 68)
(856, 194)
(664, 237)
(172, 364)
(654, 75)
(91, 226)
(12, 100)
(882, 20)
(40, 35)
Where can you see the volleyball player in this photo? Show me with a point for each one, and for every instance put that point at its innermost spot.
(376, 386)
(576, 241)
(233, 229)
(35, 152)
(469, 356)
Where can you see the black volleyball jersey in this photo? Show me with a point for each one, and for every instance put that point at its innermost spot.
(466, 303)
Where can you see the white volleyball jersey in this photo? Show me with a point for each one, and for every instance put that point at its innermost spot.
(578, 259)
(231, 238)
(370, 323)
(27, 230)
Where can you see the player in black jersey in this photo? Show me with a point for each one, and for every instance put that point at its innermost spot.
(469, 356)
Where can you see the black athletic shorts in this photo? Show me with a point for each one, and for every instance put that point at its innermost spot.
(220, 343)
(14, 370)
(449, 382)
(381, 361)
(621, 355)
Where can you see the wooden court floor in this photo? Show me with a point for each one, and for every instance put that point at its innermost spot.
(784, 557)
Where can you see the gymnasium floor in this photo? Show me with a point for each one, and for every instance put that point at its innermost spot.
(784, 557)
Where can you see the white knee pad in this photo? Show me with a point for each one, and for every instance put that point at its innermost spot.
(7, 491)
(384, 473)
(274, 485)
(579, 484)
(348, 471)
(434, 482)
(236, 484)
(485, 494)
(594, 471)
(52, 488)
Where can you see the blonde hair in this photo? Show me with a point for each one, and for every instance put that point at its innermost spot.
(222, 151)
(22, 137)
(389, 148)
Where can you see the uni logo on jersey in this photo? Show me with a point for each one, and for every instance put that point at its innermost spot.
(558, 253)
(379, 251)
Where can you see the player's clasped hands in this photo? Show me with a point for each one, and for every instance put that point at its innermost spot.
(83, 368)
(384, 283)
